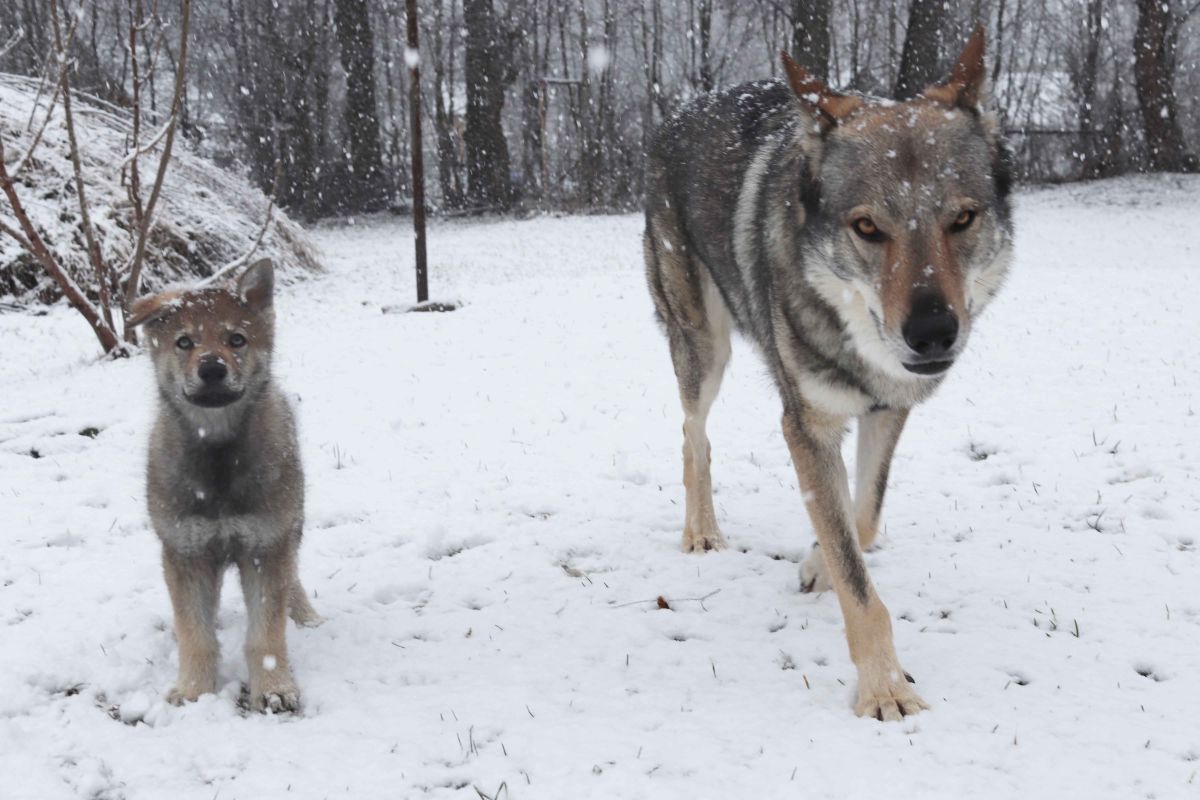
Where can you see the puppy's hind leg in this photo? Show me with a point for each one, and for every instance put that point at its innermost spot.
(698, 326)
(195, 588)
(299, 608)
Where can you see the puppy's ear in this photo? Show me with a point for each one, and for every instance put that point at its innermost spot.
(965, 86)
(152, 307)
(830, 107)
(256, 287)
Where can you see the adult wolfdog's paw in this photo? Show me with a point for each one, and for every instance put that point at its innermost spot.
(814, 575)
(698, 540)
(890, 697)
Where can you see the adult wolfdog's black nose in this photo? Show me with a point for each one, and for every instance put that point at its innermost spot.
(212, 371)
(931, 328)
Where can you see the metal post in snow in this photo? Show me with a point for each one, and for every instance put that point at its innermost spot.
(412, 58)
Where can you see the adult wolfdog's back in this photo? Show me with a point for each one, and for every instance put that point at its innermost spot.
(695, 170)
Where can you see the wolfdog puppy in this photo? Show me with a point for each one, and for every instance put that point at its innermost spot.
(224, 480)
(854, 240)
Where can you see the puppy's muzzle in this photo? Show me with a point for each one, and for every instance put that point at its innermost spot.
(213, 391)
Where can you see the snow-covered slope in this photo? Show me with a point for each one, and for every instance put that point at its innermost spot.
(206, 217)
(495, 502)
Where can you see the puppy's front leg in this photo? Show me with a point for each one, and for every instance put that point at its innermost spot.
(194, 584)
(814, 441)
(266, 584)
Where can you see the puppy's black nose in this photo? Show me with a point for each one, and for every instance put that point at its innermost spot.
(931, 328)
(212, 371)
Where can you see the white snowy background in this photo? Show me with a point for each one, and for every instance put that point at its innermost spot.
(495, 502)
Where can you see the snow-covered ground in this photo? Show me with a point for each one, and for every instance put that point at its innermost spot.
(495, 502)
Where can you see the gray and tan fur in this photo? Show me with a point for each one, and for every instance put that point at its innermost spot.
(854, 240)
(224, 480)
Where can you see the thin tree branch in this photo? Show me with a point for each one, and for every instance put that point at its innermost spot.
(33, 243)
(133, 286)
(136, 25)
(244, 257)
(18, 34)
(89, 232)
(24, 160)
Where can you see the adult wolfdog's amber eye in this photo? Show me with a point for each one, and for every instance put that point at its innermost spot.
(867, 229)
(237, 340)
(963, 220)
(184, 343)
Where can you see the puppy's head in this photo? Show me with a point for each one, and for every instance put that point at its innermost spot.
(914, 219)
(211, 347)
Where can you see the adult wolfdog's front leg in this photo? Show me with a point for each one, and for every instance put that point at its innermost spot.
(878, 432)
(814, 441)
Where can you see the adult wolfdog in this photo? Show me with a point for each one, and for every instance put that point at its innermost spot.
(224, 479)
(854, 240)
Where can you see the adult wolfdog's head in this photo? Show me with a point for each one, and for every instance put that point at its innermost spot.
(211, 347)
(912, 234)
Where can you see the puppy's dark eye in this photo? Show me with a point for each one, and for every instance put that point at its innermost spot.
(964, 220)
(866, 229)
(237, 340)
(184, 343)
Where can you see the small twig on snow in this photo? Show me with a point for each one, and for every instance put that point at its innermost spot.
(654, 600)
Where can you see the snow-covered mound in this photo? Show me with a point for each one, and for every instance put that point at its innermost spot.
(206, 216)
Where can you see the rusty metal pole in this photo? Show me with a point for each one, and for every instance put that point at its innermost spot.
(412, 58)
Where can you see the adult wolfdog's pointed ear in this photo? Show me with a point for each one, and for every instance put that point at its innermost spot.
(964, 87)
(830, 107)
(256, 287)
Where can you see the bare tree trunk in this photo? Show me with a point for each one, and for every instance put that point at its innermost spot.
(1086, 85)
(488, 74)
(998, 37)
(920, 61)
(448, 162)
(368, 183)
(1154, 57)
(705, 24)
(651, 40)
(810, 35)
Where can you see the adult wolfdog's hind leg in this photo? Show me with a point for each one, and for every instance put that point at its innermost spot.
(698, 326)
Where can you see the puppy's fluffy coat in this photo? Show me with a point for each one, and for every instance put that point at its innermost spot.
(224, 479)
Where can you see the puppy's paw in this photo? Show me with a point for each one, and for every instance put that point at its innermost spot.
(300, 610)
(274, 693)
(814, 575)
(180, 695)
(888, 697)
(701, 538)
(278, 702)
(305, 616)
